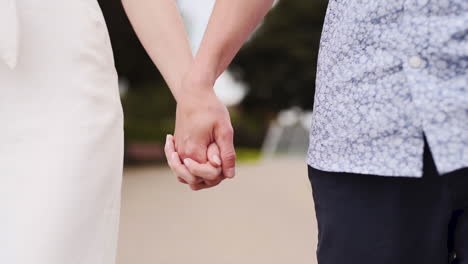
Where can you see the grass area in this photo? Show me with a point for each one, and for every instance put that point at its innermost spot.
(247, 154)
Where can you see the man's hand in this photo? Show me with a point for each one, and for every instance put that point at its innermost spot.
(202, 119)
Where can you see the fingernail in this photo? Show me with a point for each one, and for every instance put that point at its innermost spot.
(230, 173)
(187, 162)
(167, 140)
(174, 155)
(216, 159)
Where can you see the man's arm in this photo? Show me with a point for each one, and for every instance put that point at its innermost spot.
(160, 29)
(201, 118)
(230, 25)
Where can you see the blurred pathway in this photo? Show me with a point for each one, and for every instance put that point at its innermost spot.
(264, 216)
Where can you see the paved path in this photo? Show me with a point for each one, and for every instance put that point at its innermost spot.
(264, 216)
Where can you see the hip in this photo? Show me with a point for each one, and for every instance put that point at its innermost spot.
(65, 62)
(61, 35)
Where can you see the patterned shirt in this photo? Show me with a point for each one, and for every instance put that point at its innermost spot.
(390, 72)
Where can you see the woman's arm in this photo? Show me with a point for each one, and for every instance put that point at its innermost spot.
(160, 29)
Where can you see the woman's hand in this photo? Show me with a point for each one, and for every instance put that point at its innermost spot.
(208, 174)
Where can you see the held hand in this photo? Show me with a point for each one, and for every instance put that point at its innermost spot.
(202, 119)
(211, 171)
(208, 174)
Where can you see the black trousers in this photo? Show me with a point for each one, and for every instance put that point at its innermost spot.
(369, 219)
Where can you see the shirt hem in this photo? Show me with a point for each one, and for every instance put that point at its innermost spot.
(363, 171)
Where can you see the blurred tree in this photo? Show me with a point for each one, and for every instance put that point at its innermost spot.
(148, 104)
(279, 63)
(131, 60)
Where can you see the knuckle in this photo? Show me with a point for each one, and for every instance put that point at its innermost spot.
(193, 170)
(183, 153)
(166, 154)
(190, 150)
(173, 170)
(196, 171)
(227, 133)
(166, 150)
(210, 177)
(213, 177)
(201, 175)
(194, 187)
(181, 180)
(213, 182)
(191, 181)
(229, 156)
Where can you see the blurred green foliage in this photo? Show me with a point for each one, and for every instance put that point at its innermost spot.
(279, 63)
(278, 66)
(149, 113)
(247, 155)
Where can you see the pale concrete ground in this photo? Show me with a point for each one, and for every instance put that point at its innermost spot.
(264, 216)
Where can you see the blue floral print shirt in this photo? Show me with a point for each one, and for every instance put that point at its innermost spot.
(390, 72)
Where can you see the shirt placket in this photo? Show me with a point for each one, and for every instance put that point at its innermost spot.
(415, 40)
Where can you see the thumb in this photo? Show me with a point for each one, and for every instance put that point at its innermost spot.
(213, 155)
(224, 137)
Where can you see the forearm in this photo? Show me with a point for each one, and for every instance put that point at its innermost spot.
(230, 25)
(161, 31)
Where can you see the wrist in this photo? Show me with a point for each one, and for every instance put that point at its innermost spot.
(195, 85)
(200, 77)
(195, 91)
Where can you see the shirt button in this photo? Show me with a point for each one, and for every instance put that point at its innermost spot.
(415, 61)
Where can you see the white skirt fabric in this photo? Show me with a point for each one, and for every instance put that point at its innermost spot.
(61, 138)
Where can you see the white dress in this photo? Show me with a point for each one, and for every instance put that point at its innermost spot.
(61, 134)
